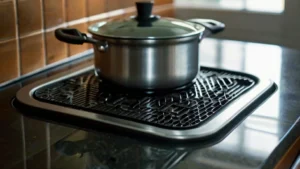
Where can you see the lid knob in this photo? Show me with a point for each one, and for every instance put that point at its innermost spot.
(144, 10)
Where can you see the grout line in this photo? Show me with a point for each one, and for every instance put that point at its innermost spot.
(64, 5)
(8, 40)
(78, 21)
(64, 25)
(65, 15)
(43, 32)
(98, 17)
(18, 37)
(95, 17)
(122, 7)
(106, 9)
(86, 8)
(129, 9)
(32, 34)
(116, 12)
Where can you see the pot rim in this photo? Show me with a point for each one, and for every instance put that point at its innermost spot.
(200, 29)
(140, 41)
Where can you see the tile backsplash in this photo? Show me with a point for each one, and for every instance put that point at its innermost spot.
(27, 42)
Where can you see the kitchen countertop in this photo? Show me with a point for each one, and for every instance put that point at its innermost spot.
(259, 141)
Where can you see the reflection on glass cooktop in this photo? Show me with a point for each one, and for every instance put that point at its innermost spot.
(108, 151)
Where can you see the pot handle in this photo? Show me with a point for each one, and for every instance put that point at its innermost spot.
(73, 36)
(211, 26)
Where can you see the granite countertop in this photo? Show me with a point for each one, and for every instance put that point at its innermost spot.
(258, 141)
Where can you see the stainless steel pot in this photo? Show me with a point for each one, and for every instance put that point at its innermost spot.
(145, 51)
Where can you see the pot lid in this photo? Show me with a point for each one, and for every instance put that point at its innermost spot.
(146, 26)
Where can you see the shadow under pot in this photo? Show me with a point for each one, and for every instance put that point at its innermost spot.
(145, 51)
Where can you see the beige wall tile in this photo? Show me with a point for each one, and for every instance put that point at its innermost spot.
(55, 49)
(8, 22)
(95, 7)
(32, 53)
(113, 5)
(54, 12)
(75, 9)
(9, 62)
(128, 3)
(29, 16)
(75, 49)
(166, 12)
(161, 2)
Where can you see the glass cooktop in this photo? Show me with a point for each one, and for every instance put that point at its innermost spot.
(200, 109)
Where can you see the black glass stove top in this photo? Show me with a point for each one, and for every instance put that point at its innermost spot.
(184, 108)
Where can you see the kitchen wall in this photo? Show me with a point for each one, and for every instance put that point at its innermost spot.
(274, 28)
(27, 42)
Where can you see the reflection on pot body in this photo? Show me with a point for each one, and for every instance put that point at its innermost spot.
(155, 66)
